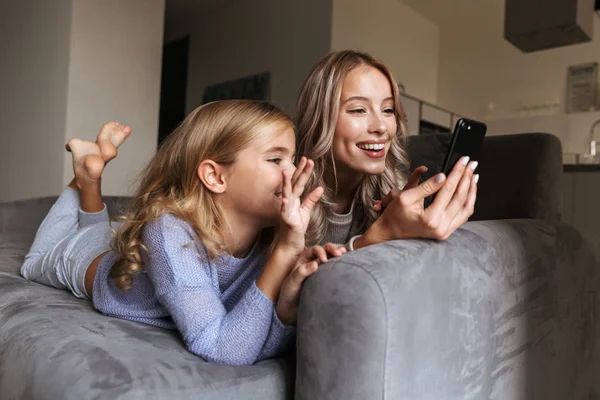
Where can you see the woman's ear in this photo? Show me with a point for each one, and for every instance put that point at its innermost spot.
(211, 175)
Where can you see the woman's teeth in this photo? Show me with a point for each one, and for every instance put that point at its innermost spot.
(375, 147)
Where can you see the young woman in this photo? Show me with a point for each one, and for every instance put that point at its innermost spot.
(350, 121)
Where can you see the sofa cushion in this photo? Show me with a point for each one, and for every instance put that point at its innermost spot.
(55, 346)
(13, 247)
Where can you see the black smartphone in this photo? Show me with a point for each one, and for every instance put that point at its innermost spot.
(467, 140)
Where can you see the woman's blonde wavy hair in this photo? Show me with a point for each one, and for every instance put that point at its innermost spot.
(317, 111)
(218, 131)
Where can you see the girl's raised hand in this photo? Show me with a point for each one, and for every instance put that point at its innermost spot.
(295, 213)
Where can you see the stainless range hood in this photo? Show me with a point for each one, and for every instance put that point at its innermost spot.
(532, 25)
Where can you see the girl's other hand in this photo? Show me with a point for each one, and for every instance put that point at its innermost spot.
(308, 263)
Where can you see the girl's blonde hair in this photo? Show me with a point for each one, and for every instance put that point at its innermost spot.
(316, 118)
(217, 131)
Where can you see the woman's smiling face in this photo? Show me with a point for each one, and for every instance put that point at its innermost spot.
(366, 124)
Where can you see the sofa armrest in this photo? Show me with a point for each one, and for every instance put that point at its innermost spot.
(501, 310)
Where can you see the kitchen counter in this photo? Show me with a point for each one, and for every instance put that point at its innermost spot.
(581, 167)
(580, 198)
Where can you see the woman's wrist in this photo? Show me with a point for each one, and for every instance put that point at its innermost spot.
(373, 235)
(360, 242)
(351, 246)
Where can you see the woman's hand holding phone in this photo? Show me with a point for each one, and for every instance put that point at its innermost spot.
(404, 216)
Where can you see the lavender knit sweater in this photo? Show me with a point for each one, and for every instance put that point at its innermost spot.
(215, 304)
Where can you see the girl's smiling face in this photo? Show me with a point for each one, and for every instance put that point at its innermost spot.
(255, 179)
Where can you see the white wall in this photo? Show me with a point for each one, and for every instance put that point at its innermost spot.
(244, 38)
(478, 67)
(33, 94)
(114, 74)
(393, 32)
(67, 67)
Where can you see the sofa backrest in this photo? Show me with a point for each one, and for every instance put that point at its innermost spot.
(520, 178)
(519, 174)
(27, 215)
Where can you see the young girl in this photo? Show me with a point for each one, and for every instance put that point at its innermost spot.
(350, 121)
(194, 253)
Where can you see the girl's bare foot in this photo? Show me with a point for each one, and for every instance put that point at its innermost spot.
(87, 162)
(111, 136)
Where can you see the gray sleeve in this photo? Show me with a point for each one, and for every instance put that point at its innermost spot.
(86, 218)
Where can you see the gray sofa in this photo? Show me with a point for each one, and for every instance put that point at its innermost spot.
(504, 309)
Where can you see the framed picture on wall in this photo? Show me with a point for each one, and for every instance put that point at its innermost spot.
(582, 84)
(254, 87)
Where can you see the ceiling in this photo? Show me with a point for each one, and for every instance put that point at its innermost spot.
(440, 12)
(444, 13)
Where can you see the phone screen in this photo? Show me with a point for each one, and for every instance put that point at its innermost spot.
(467, 140)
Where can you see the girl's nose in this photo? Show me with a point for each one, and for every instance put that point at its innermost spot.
(289, 167)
